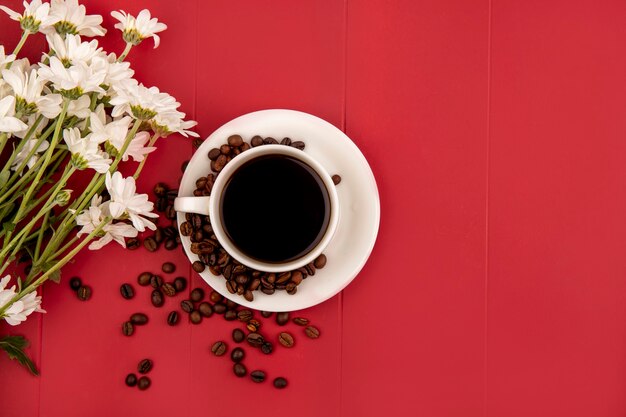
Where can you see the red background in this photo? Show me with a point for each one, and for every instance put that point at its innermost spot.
(497, 134)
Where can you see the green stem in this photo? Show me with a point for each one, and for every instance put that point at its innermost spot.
(40, 233)
(145, 158)
(21, 145)
(125, 53)
(4, 138)
(21, 43)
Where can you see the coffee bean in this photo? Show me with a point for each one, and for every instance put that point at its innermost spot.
(231, 305)
(301, 321)
(131, 380)
(247, 294)
(132, 243)
(253, 325)
(238, 335)
(231, 286)
(268, 291)
(230, 315)
(257, 376)
(187, 306)
(168, 267)
(144, 366)
(241, 279)
(280, 382)
(283, 277)
(282, 318)
(157, 298)
(183, 166)
(298, 144)
(158, 234)
(255, 339)
(244, 315)
(235, 140)
(161, 204)
(205, 309)
(219, 163)
(310, 269)
(198, 266)
(197, 294)
(197, 142)
(312, 332)
(266, 314)
(84, 293)
(128, 329)
(127, 291)
(285, 339)
(172, 318)
(171, 244)
(254, 285)
(156, 281)
(291, 288)
(213, 154)
(240, 370)
(336, 179)
(320, 261)
(186, 229)
(144, 383)
(160, 189)
(219, 308)
(144, 278)
(256, 141)
(237, 354)
(195, 317)
(270, 141)
(267, 348)
(180, 284)
(75, 283)
(139, 319)
(285, 141)
(168, 289)
(219, 348)
(215, 297)
(225, 149)
(150, 244)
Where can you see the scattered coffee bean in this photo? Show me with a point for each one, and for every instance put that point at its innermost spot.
(171, 244)
(230, 315)
(285, 141)
(219, 308)
(84, 293)
(160, 189)
(285, 339)
(235, 140)
(216, 297)
(320, 261)
(158, 234)
(301, 321)
(231, 305)
(231, 286)
(270, 141)
(75, 283)
(168, 267)
(157, 298)
(144, 278)
(187, 306)
(214, 153)
(180, 284)
(238, 335)
(256, 141)
(253, 325)
(156, 281)
(172, 318)
(266, 314)
(183, 166)
(139, 319)
(205, 309)
(132, 243)
(312, 332)
(282, 318)
(247, 294)
(127, 291)
(267, 348)
(195, 317)
(131, 380)
(197, 294)
(144, 366)
(219, 348)
(257, 376)
(240, 370)
(255, 339)
(237, 354)
(336, 179)
(168, 289)
(197, 142)
(298, 145)
(280, 382)
(143, 383)
(150, 244)
(225, 149)
(244, 315)
(128, 329)
(198, 266)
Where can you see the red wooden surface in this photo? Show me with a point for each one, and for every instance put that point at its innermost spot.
(497, 134)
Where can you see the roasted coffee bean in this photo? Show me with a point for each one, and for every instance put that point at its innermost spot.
(285, 141)
(238, 335)
(161, 204)
(257, 376)
(244, 147)
(241, 279)
(186, 306)
(230, 315)
(267, 348)
(144, 383)
(213, 154)
(144, 366)
(170, 231)
(172, 318)
(183, 166)
(280, 382)
(170, 213)
(285, 339)
(197, 142)
(298, 144)
(301, 321)
(150, 244)
(157, 298)
(255, 339)
(215, 297)
(225, 149)
(132, 243)
(266, 314)
(168, 267)
(128, 329)
(127, 291)
(253, 325)
(291, 288)
(158, 235)
(197, 294)
(235, 140)
(223, 259)
(247, 294)
(336, 179)
(312, 332)
(139, 319)
(160, 189)
(282, 318)
(244, 315)
(215, 270)
(219, 308)
(280, 286)
(168, 289)
(180, 283)
(156, 281)
(219, 348)
(237, 354)
(268, 291)
(283, 277)
(131, 380)
(270, 141)
(310, 269)
(231, 305)
(254, 285)
(201, 182)
(320, 261)
(228, 271)
(256, 141)
(84, 293)
(205, 309)
(171, 244)
(219, 163)
(240, 370)
(186, 229)
(75, 283)
(144, 278)
(296, 277)
(195, 317)
(231, 286)
(212, 260)
(198, 266)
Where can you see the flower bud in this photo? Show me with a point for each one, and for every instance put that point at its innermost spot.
(63, 197)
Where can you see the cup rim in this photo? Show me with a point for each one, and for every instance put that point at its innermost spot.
(215, 212)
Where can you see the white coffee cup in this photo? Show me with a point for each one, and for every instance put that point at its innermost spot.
(210, 206)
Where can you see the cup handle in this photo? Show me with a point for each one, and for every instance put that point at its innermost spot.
(198, 205)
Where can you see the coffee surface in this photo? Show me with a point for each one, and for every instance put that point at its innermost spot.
(275, 208)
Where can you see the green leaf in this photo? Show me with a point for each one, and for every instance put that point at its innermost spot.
(14, 347)
(4, 177)
(55, 276)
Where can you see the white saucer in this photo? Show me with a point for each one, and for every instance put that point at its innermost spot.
(359, 206)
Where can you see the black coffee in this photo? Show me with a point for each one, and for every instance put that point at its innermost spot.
(275, 208)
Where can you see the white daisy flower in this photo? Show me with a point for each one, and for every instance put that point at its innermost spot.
(19, 310)
(125, 202)
(71, 17)
(91, 218)
(85, 152)
(71, 50)
(113, 135)
(5, 59)
(116, 72)
(172, 122)
(28, 147)
(134, 30)
(80, 107)
(140, 102)
(28, 88)
(35, 17)
(8, 123)
(74, 81)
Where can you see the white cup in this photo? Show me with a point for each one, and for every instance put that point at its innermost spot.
(210, 206)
